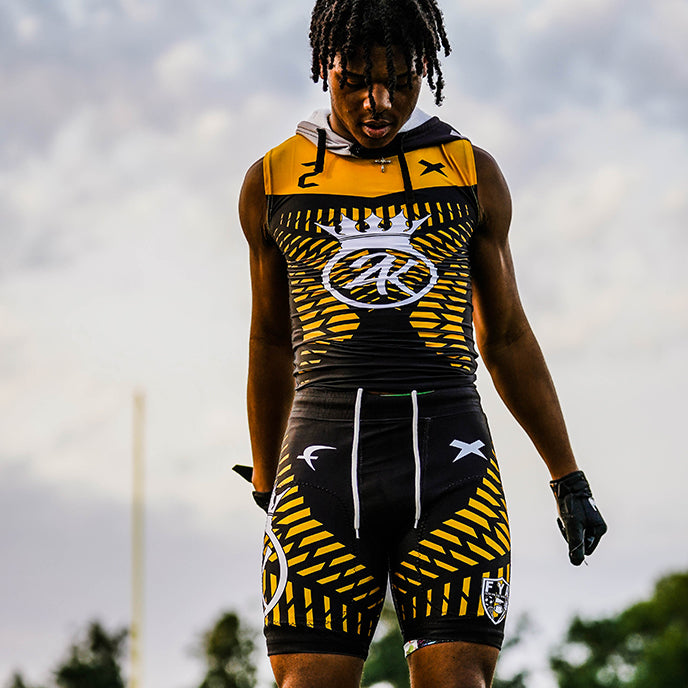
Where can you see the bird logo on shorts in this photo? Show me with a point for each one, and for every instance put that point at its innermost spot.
(309, 454)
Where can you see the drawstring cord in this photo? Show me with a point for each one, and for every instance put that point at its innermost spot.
(322, 147)
(409, 195)
(416, 455)
(354, 462)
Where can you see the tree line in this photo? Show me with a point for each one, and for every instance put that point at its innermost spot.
(643, 646)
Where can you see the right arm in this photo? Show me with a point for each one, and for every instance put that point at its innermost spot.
(270, 379)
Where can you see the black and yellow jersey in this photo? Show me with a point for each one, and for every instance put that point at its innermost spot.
(377, 253)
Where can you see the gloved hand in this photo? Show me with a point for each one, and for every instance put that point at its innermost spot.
(580, 521)
(262, 499)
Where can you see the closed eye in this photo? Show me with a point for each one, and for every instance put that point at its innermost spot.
(354, 83)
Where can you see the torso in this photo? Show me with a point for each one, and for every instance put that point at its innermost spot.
(377, 300)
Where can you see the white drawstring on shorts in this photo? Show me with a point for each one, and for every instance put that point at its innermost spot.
(354, 462)
(416, 455)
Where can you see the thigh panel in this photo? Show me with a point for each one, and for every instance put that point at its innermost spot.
(450, 576)
(317, 575)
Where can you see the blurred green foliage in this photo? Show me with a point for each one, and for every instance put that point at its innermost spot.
(228, 652)
(95, 661)
(645, 646)
(386, 661)
(91, 662)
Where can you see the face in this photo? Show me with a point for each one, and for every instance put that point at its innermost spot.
(352, 110)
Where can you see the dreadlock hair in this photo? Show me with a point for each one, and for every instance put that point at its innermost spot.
(345, 26)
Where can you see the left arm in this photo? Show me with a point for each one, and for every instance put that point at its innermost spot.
(515, 361)
(504, 336)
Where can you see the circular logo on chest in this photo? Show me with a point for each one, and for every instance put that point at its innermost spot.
(378, 268)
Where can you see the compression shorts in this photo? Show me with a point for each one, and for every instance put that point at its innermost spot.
(372, 488)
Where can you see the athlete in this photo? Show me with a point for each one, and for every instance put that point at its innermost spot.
(378, 246)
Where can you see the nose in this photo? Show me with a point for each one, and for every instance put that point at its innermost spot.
(380, 94)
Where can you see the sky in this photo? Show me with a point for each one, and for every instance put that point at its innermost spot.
(126, 128)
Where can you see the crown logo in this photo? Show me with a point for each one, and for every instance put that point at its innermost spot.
(397, 235)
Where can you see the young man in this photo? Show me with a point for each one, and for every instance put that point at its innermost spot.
(378, 236)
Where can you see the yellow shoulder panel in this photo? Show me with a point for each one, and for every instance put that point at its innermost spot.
(289, 169)
(279, 162)
(461, 157)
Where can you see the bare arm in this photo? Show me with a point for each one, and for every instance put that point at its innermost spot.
(505, 339)
(270, 380)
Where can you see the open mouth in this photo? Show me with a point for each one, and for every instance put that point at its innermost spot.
(376, 129)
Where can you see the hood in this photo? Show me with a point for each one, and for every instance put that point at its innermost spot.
(420, 131)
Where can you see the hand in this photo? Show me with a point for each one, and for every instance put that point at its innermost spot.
(580, 521)
(262, 499)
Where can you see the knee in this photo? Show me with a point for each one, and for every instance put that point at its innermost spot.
(453, 665)
(474, 682)
(299, 679)
(453, 682)
(316, 671)
(461, 681)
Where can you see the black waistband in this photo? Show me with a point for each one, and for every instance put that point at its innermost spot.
(337, 404)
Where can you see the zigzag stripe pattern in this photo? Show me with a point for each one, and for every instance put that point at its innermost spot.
(339, 588)
(475, 536)
(442, 317)
(322, 317)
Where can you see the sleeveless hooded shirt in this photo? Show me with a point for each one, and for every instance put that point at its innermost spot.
(376, 244)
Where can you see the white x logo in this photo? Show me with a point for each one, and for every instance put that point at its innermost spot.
(467, 449)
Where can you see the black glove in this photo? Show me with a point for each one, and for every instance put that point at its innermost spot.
(580, 521)
(262, 499)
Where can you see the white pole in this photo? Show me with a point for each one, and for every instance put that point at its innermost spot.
(137, 542)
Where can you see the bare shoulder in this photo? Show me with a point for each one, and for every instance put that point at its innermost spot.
(493, 192)
(253, 204)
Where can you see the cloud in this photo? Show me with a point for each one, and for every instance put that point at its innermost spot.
(157, 66)
(181, 65)
(541, 56)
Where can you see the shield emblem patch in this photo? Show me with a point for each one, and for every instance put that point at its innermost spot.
(495, 598)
